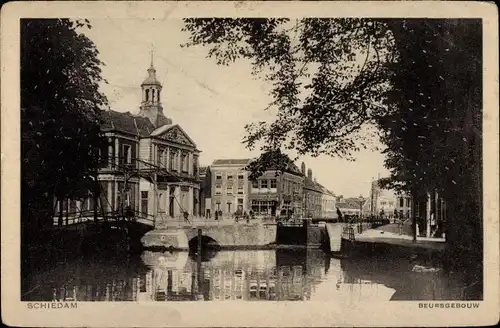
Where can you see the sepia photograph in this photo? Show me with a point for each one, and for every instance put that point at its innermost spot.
(251, 159)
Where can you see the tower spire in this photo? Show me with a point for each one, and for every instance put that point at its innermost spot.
(152, 52)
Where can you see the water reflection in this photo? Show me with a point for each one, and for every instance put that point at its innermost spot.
(273, 275)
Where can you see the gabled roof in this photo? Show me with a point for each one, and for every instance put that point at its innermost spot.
(173, 132)
(232, 161)
(125, 122)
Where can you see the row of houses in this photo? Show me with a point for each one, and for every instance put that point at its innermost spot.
(227, 190)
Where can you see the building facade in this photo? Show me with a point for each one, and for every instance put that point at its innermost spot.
(389, 203)
(350, 206)
(313, 195)
(229, 186)
(328, 204)
(277, 193)
(206, 192)
(319, 202)
(149, 165)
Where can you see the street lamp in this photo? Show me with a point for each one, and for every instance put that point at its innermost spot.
(361, 200)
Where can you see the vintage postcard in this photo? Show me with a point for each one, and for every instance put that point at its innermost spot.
(256, 164)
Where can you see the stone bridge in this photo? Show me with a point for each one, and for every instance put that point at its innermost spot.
(235, 235)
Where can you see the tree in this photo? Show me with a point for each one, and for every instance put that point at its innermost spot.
(332, 77)
(60, 102)
(434, 136)
(328, 77)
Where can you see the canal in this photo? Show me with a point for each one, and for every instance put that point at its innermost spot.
(273, 275)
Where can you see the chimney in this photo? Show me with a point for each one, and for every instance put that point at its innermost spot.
(303, 168)
(309, 173)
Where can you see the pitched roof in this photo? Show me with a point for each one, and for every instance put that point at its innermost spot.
(324, 190)
(312, 185)
(232, 161)
(125, 122)
(347, 205)
(352, 203)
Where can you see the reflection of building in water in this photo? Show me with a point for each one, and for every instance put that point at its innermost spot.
(114, 290)
(239, 276)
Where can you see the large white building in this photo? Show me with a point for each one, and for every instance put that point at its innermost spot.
(149, 164)
(388, 203)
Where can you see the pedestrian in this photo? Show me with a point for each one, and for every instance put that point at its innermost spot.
(216, 215)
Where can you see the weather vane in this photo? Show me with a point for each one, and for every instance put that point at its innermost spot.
(152, 52)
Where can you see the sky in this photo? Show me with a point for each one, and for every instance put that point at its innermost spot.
(211, 103)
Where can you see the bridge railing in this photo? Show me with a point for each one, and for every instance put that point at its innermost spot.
(109, 216)
(167, 222)
(348, 233)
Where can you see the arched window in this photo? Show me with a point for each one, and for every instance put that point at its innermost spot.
(152, 95)
(147, 94)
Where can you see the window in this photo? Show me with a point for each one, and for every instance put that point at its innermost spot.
(218, 190)
(262, 206)
(173, 157)
(147, 94)
(273, 183)
(185, 164)
(229, 207)
(263, 184)
(104, 156)
(159, 154)
(229, 178)
(165, 158)
(195, 165)
(241, 177)
(240, 190)
(255, 184)
(401, 202)
(218, 205)
(229, 190)
(144, 202)
(218, 177)
(127, 154)
(408, 202)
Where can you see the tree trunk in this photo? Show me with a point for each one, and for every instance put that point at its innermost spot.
(414, 199)
(428, 205)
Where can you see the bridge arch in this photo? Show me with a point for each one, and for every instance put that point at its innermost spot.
(206, 242)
